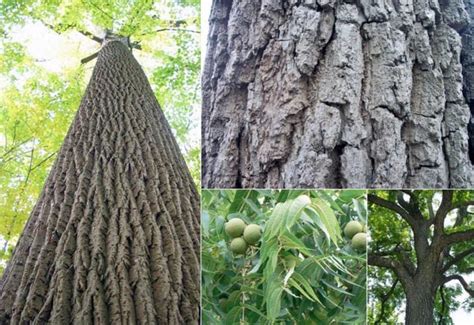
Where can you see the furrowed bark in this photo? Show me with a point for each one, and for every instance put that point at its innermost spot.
(114, 237)
(419, 307)
(338, 94)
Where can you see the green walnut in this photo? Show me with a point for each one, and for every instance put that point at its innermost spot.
(234, 227)
(352, 228)
(238, 245)
(252, 234)
(359, 241)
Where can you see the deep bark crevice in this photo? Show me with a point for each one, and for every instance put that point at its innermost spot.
(392, 67)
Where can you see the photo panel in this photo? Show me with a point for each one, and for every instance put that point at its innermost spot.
(283, 256)
(421, 257)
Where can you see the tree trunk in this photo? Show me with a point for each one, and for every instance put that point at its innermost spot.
(419, 307)
(467, 59)
(336, 94)
(114, 237)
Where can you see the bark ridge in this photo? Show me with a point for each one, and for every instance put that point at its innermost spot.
(330, 94)
(114, 237)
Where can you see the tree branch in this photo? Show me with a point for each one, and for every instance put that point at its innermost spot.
(402, 255)
(430, 208)
(384, 300)
(83, 32)
(391, 206)
(411, 207)
(11, 149)
(399, 269)
(462, 281)
(457, 258)
(380, 261)
(175, 30)
(90, 58)
(90, 35)
(443, 304)
(461, 204)
(444, 208)
(44, 160)
(457, 237)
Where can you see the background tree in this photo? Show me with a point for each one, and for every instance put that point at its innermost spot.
(41, 85)
(114, 237)
(302, 271)
(421, 243)
(338, 94)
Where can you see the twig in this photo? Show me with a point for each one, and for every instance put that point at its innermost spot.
(172, 29)
(89, 58)
(462, 281)
(443, 304)
(43, 161)
(384, 300)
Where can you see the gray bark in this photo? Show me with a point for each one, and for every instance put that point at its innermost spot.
(114, 237)
(419, 307)
(338, 94)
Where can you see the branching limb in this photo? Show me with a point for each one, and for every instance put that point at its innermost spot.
(384, 300)
(11, 149)
(462, 281)
(418, 225)
(402, 255)
(380, 261)
(391, 206)
(461, 204)
(443, 304)
(411, 207)
(430, 208)
(89, 58)
(462, 213)
(458, 258)
(444, 208)
(176, 30)
(407, 263)
(397, 267)
(86, 33)
(90, 35)
(457, 237)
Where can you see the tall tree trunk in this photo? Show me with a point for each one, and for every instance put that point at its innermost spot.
(420, 293)
(114, 237)
(336, 94)
(419, 307)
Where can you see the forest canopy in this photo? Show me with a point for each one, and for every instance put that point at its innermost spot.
(42, 81)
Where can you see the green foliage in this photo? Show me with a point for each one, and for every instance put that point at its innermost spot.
(301, 272)
(37, 104)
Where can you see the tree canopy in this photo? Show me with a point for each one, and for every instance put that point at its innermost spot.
(411, 230)
(39, 99)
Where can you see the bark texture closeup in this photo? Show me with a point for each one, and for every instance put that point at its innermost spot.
(326, 93)
(114, 237)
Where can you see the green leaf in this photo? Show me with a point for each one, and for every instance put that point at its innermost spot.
(327, 217)
(273, 298)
